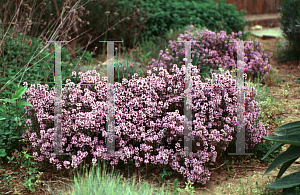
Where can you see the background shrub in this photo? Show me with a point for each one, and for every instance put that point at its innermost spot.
(9, 126)
(89, 20)
(290, 25)
(92, 19)
(18, 50)
(166, 15)
(127, 29)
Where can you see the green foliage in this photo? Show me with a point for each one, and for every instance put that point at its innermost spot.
(32, 171)
(95, 182)
(262, 149)
(173, 34)
(84, 58)
(175, 186)
(32, 174)
(188, 188)
(17, 52)
(165, 173)
(287, 134)
(105, 14)
(20, 50)
(126, 68)
(290, 25)
(69, 65)
(269, 108)
(11, 128)
(6, 179)
(167, 14)
(285, 53)
(147, 50)
(2, 153)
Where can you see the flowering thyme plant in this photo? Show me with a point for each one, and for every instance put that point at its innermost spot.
(148, 121)
(215, 50)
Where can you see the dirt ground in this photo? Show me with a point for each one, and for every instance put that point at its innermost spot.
(245, 173)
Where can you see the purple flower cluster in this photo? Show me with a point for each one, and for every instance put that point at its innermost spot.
(149, 120)
(216, 51)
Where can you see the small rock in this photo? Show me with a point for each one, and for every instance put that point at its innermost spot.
(256, 27)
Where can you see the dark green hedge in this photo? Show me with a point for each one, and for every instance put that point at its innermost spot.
(167, 14)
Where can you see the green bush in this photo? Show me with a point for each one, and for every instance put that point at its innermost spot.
(290, 25)
(167, 14)
(98, 20)
(17, 51)
(127, 29)
(11, 127)
(121, 20)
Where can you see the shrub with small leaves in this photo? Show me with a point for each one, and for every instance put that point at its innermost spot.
(169, 14)
(148, 121)
(290, 25)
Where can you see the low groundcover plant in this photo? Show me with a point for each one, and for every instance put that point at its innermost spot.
(148, 120)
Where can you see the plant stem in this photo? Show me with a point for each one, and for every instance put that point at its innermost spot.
(18, 124)
(128, 168)
(146, 170)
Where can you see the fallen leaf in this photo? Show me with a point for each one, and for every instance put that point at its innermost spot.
(2, 171)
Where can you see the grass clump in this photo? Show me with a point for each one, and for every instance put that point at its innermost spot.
(112, 183)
